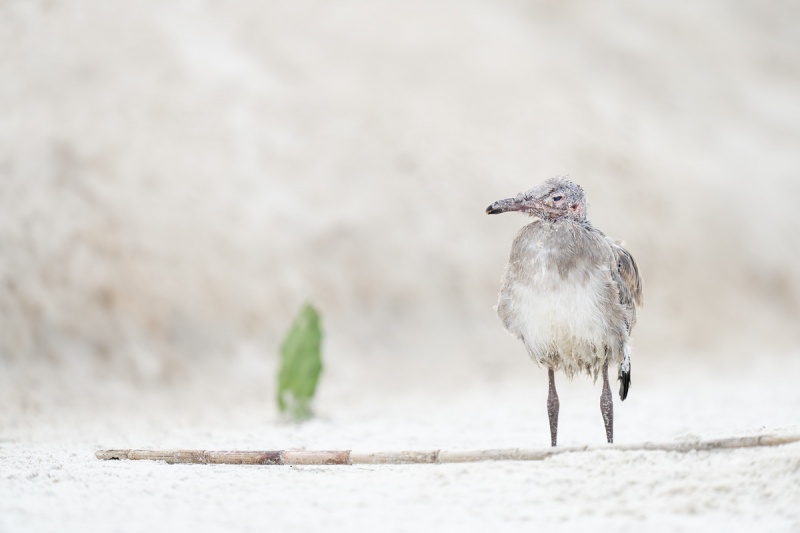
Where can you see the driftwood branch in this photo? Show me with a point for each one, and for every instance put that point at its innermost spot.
(347, 457)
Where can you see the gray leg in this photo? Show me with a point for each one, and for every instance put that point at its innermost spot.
(552, 407)
(607, 406)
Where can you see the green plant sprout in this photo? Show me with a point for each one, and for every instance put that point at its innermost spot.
(301, 365)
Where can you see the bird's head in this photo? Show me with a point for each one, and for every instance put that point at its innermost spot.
(556, 198)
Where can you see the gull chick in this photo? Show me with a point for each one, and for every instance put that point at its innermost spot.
(569, 292)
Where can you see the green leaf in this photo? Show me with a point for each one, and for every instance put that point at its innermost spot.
(301, 365)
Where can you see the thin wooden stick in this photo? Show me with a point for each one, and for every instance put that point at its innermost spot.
(347, 457)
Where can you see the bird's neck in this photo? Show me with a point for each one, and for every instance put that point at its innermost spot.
(566, 221)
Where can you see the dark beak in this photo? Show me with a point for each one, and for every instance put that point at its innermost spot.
(508, 204)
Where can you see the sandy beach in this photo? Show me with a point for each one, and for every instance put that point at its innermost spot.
(177, 179)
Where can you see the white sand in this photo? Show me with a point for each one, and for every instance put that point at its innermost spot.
(50, 480)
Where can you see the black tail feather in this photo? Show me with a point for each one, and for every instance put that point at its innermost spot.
(624, 383)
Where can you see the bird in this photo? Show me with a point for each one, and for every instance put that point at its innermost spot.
(569, 292)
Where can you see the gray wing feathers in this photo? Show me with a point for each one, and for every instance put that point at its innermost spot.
(629, 285)
(629, 282)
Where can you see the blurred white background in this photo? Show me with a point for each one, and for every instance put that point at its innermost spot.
(177, 178)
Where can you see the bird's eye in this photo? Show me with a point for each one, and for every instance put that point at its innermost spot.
(557, 198)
